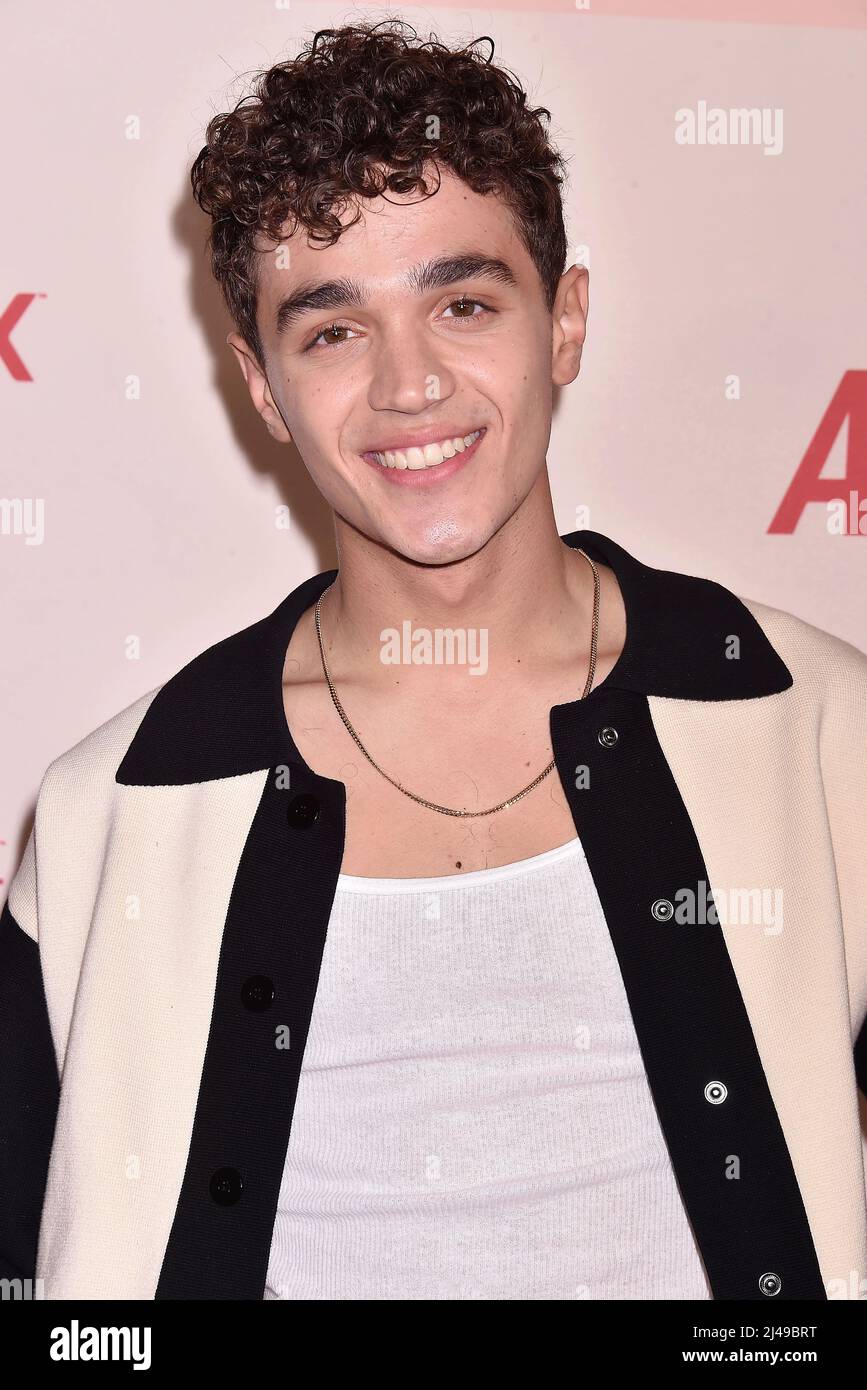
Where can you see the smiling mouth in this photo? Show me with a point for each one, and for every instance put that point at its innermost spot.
(427, 455)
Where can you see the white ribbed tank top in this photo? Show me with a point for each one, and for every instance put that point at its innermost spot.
(473, 1118)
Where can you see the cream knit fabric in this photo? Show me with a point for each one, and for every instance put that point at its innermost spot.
(473, 1119)
(129, 909)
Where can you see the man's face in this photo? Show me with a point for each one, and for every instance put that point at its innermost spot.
(424, 353)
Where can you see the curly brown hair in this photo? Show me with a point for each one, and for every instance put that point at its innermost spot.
(358, 112)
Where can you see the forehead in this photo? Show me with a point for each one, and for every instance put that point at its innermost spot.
(393, 233)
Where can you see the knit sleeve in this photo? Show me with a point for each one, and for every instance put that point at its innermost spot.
(860, 1055)
(843, 749)
(29, 1082)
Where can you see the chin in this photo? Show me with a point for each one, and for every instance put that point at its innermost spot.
(441, 542)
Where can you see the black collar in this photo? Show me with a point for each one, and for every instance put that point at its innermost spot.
(222, 714)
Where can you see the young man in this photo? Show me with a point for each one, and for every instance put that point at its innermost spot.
(536, 976)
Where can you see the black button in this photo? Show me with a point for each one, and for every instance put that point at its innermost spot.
(226, 1186)
(607, 737)
(303, 811)
(257, 993)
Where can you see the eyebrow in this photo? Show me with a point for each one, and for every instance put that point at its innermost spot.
(429, 275)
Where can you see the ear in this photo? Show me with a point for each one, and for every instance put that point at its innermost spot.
(260, 391)
(569, 324)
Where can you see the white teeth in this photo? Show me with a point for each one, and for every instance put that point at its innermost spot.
(428, 456)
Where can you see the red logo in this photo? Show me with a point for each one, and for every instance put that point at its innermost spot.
(849, 402)
(15, 309)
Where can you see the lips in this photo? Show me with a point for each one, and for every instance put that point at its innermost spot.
(421, 452)
(423, 474)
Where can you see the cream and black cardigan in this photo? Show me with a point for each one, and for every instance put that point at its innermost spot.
(167, 922)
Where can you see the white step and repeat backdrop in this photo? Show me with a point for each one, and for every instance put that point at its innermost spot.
(719, 424)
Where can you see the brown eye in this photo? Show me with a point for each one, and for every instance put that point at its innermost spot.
(469, 304)
(321, 338)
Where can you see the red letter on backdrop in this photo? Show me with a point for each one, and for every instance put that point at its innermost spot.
(850, 399)
(8, 356)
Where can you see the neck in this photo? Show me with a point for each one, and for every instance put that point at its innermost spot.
(531, 596)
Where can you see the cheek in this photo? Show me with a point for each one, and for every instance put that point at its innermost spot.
(315, 414)
(513, 368)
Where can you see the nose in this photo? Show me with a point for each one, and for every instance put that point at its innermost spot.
(407, 373)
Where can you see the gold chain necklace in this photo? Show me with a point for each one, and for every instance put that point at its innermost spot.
(432, 805)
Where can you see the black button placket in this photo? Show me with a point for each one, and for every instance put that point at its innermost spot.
(702, 1064)
(267, 975)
